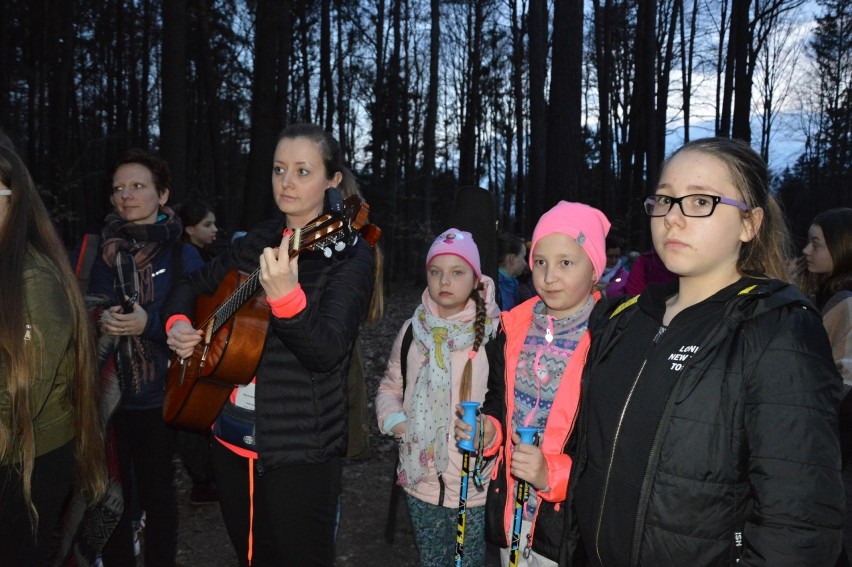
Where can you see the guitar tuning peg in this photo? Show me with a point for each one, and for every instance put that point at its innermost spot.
(326, 252)
(339, 245)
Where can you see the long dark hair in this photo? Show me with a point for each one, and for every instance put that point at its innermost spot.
(191, 213)
(836, 225)
(27, 226)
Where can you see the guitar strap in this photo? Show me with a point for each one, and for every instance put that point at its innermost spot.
(86, 259)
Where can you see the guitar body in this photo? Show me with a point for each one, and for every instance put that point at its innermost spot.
(197, 389)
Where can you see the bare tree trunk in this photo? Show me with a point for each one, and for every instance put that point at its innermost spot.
(603, 56)
(60, 43)
(518, 101)
(468, 174)
(642, 130)
(564, 134)
(688, 53)
(656, 156)
(538, 107)
(213, 114)
(325, 101)
(285, 22)
(305, 29)
(343, 86)
(257, 201)
(741, 127)
(723, 89)
(377, 115)
(173, 118)
(391, 177)
(143, 113)
(431, 120)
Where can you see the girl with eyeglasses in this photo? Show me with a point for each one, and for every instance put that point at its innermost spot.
(708, 421)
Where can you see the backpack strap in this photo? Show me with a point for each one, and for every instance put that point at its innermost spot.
(407, 339)
(396, 490)
(86, 259)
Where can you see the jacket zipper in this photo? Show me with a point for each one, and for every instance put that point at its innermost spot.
(615, 444)
(651, 468)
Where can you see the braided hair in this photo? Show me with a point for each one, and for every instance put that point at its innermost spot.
(478, 337)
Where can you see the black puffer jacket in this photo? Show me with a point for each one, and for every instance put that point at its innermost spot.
(745, 464)
(301, 379)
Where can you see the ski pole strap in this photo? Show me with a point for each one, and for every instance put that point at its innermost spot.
(477, 471)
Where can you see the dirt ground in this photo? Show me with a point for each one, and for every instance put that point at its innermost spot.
(202, 540)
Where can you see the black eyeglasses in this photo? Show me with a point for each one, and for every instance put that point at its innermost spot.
(690, 205)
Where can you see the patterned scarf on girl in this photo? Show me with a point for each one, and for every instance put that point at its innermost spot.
(430, 414)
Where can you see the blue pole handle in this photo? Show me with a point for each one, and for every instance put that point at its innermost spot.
(469, 417)
(527, 434)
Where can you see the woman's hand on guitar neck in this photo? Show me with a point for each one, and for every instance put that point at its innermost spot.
(279, 274)
(182, 338)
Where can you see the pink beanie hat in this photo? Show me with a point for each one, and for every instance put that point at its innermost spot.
(585, 224)
(457, 243)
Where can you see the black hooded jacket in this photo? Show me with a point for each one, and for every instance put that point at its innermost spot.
(301, 380)
(741, 461)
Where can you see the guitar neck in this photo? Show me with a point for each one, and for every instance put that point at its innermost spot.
(325, 230)
(242, 294)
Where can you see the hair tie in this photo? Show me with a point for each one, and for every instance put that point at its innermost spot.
(471, 354)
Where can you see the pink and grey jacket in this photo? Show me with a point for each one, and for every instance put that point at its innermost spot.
(504, 353)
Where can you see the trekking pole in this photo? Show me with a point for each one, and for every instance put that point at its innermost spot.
(466, 446)
(527, 435)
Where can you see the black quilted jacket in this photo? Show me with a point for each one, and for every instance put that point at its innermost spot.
(301, 379)
(745, 466)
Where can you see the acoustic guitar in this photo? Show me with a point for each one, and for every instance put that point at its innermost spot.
(235, 320)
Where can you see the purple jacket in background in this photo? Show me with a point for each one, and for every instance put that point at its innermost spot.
(647, 269)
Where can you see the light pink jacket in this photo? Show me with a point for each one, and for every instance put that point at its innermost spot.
(391, 399)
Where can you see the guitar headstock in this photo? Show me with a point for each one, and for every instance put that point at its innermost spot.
(333, 230)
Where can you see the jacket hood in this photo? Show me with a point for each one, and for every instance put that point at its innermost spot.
(763, 296)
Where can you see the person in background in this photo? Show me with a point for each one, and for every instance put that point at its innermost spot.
(534, 381)
(199, 226)
(279, 440)
(140, 257)
(708, 434)
(200, 230)
(51, 439)
(614, 277)
(648, 268)
(828, 262)
(445, 364)
(512, 253)
(526, 289)
(828, 259)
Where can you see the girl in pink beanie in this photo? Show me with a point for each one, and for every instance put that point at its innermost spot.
(536, 366)
(435, 363)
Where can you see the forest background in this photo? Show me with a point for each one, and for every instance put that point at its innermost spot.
(533, 100)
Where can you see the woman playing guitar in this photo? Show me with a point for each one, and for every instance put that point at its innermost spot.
(279, 439)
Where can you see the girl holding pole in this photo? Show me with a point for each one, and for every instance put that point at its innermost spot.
(535, 382)
(444, 364)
